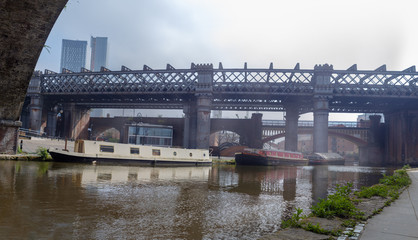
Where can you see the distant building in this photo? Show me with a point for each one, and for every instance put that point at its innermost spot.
(98, 53)
(73, 55)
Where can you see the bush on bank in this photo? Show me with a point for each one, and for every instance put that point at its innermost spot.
(43, 153)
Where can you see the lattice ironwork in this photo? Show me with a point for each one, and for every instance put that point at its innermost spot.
(246, 89)
(120, 82)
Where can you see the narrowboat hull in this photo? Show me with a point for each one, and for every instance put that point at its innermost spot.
(64, 156)
(258, 160)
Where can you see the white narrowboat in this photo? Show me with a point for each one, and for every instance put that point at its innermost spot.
(120, 153)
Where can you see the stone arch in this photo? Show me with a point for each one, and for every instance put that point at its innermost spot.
(24, 33)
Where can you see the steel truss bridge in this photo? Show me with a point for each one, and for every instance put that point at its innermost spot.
(243, 89)
(356, 132)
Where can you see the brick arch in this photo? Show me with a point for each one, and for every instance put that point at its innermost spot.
(96, 133)
(240, 138)
(358, 141)
(238, 126)
(100, 125)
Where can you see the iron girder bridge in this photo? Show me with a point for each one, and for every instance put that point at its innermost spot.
(243, 89)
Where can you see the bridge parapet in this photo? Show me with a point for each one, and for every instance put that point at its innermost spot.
(303, 123)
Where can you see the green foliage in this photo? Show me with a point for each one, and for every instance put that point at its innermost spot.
(43, 153)
(338, 204)
(389, 185)
(405, 167)
(316, 229)
(48, 48)
(398, 180)
(294, 220)
(376, 211)
(349, 223)
(375, 190)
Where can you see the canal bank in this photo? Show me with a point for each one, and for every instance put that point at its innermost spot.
(29, 148)
(387, 218)
(399, 220)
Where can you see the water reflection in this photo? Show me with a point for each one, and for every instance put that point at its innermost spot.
(58, 200)
(92, 174)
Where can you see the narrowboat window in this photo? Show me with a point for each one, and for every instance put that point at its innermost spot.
(191, 154)
(134, 150)
(204, 154)
(156, 152)
(175, 153)
(104, 148)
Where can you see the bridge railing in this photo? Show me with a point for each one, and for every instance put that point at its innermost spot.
(303, 123)
(23, 132)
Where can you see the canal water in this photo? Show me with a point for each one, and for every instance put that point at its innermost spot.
(41, 200)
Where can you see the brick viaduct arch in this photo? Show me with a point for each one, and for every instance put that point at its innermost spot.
(248, 129)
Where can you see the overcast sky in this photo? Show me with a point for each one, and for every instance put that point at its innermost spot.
(156, 32)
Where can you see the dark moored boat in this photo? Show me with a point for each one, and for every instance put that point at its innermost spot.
(251, 156)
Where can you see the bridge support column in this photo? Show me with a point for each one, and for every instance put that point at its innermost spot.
(51, 123)
(203, 104)
(373, 153)
(35, 112)
(320, 131)
(189, 132)
(322, 93)
(291, 128)
(401, 141)
(255, 138)
(203, 122)
(76, 120)
(9, 134)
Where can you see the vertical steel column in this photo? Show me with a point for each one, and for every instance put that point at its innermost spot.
(322, 93)
(291, 128)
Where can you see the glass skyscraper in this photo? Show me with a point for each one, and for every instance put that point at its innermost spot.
(73, 55)
(98, 53)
